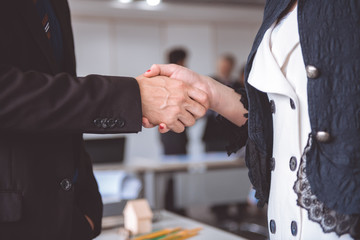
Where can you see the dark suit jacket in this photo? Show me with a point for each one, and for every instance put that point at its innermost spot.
(46, 179)
(174, 143)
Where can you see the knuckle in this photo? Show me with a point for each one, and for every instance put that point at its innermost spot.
(182, 98)
(177, 110)
(168, 120)
(202, 111)
(192, 122)
(177, 129)
(181, 129)
(204, 98)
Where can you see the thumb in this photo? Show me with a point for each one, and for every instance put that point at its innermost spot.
(153, 71)
(162, 69)
(163, 128)
(146, 123)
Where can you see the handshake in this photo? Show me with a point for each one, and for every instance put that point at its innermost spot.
(174, 97)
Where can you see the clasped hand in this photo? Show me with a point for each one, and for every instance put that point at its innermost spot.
(172, 96)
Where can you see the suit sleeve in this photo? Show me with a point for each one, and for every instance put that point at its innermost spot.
(37, 102)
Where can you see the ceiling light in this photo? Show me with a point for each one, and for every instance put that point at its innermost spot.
(153, 2)
(125, 1)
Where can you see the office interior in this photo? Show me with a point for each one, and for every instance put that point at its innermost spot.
(125, 38)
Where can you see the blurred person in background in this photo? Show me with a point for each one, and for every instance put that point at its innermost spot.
(240, 80)
(175, 143)
(224, 68)
(214, 137)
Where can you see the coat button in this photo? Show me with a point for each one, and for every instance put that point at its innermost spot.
(293, 163)
(104, 123)
(97, 122)
(323, 136)
(293, 228)
(272, 164)
(273, 108)
(272, 226)
(292, 104)
(312, 72)
(119, 123)
(66, 184)
(110, 123)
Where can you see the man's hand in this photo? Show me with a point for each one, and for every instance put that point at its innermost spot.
(91, 223)
(171, 102)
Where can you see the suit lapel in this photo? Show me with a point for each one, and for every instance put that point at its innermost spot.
(273, 10)
(33, 22)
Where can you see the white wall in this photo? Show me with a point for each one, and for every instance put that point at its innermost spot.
(115, 39)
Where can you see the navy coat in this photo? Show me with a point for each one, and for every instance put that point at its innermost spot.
(330, 40)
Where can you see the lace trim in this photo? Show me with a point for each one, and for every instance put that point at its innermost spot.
(329, 220)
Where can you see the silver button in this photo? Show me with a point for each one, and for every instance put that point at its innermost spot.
(110, 123)
(97, 122)
(312, 72)
(104, 124)
(323, 136)
(120, 123)
(272, 226)
(294, 228)
(293, 163)
(66, 184)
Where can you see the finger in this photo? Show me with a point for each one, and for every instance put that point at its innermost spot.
(177, 127)
(187, 118)
(163, 128)
(146, 123)
(195, 109)
(91, 223)
(199, 96)
(153, 71)
(162, 69)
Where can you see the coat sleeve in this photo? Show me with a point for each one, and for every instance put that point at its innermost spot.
(237, 136)
(37, 102)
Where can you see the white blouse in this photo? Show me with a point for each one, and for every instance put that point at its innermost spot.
(278, 69)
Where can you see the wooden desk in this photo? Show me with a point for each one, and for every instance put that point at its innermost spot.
(170, 220)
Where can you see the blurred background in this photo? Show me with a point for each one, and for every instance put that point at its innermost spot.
(190, 173)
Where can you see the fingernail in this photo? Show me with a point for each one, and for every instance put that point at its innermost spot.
(148, 70)
(161, 126)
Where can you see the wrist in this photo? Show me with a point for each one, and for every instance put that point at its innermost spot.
(212, 91)
(225, 100)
